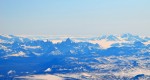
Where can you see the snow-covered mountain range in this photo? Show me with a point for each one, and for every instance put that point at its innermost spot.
(108, 56)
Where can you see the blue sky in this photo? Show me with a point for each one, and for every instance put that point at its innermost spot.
(74, 17)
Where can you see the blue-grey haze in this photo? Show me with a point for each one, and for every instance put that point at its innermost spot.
(74, 17)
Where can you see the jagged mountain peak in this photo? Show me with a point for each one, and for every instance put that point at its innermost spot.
(68, 40)
(131, 37)
(127, 35)
(112, 38)
(108, 37)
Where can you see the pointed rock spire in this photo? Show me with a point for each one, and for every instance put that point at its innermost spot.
(68, 40)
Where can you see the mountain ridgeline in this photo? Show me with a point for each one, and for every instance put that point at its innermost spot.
(21, 56)
(14, 46)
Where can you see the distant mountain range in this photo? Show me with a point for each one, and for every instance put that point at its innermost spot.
(12, 46)
(25, 56)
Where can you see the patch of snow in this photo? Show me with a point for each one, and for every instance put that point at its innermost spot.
(73, 58)
(86, 75)
(72, 52)
(56, 52)
(8, 42)
(133, 72)
(4, 48)
(146, 43)
(56, 41)
(7, 36)
(37, 54)
(31, 47)
(21, 39)
(48, 70)
(40, 77)
(103, 43)
(11, 72)
(144, 51)
(107, 44)
(21, 54)
(90, 47)
(27, 72)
